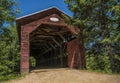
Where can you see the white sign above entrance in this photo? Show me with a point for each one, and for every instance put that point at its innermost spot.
(54, 19)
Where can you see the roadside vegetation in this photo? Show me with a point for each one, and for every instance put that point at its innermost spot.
(9, 45)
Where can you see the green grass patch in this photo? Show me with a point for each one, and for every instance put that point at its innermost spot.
(9, 77)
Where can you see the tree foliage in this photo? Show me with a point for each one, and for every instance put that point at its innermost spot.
(100, 22)
(9, 48)
(8, 10)
(9, 52)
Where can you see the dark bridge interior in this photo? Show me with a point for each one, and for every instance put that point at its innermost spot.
(48, 45)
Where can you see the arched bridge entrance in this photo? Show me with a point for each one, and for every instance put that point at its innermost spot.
(46, 37)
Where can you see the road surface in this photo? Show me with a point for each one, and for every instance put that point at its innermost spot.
(64, 75)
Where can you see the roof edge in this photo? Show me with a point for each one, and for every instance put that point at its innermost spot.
(41, 11)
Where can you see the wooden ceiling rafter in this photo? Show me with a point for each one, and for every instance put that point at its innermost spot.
(40, 37)
(62, 37)
(42, 42)
(53, 40)
(57, 43)
(42, 34)
(48, 33)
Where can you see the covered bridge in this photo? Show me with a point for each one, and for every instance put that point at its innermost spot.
(53, 43)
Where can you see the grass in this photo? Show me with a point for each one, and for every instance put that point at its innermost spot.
(101, 72)
(9, 77)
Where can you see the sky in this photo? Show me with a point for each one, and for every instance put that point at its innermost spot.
(31, 6)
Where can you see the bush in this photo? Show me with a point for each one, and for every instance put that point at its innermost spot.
(98, 63)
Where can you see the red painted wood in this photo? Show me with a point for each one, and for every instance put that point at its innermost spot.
(28, 24)
(24, 58)
(73, 53)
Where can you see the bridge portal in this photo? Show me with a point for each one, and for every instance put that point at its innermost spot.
(46, 37)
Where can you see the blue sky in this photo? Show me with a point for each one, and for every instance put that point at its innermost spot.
(31, 6)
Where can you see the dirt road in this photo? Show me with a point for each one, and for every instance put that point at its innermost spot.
(66, 76)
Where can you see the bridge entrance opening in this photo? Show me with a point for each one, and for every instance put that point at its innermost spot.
(48, 45)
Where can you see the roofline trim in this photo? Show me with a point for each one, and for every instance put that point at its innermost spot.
(40, 12)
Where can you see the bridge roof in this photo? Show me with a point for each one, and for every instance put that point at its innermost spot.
(38, 15)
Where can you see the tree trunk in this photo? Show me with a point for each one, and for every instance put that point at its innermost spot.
(111, 58)
(82, 50)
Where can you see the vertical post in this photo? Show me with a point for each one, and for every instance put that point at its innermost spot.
(24, 57)
(75, 55)
(61, 57)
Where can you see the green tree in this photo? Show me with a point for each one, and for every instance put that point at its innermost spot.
(9, 51)
(98, 21)
(8, 10)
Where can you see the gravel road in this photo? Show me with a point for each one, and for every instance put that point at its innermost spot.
(63, 75)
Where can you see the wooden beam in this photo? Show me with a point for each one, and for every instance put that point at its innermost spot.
(52, 38)
(62, 37)
(40, 36)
